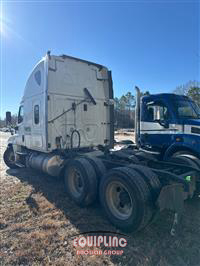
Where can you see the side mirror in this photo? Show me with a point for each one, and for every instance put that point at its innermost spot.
(8, 118)
(164, 123)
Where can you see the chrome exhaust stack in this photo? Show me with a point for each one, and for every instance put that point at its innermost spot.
(137, 116)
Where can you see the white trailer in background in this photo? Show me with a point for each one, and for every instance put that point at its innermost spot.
(66, 128)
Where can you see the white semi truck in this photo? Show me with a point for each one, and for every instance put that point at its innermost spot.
(66, 128)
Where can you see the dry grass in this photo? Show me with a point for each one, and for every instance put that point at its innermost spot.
(38, 220)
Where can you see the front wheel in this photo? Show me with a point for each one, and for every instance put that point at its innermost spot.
(190, 160)
(9, 158)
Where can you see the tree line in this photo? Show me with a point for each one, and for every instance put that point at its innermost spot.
(124, 110)
(191, 89)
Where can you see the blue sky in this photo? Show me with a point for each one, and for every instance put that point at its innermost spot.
(151, 44)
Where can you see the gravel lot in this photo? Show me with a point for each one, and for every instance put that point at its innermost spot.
(38, 220)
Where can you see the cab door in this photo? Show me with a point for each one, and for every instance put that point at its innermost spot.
(155, 125)
(36, 136)
(20, 126)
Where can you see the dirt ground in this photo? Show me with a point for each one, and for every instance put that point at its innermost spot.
(120, 136)
(38, 220)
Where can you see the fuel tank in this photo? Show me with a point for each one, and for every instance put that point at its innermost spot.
(49, 164)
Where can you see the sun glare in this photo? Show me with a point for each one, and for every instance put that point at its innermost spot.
(4, 23)
(1, 25)
(1, 20)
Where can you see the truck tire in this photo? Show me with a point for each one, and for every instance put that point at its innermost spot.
(131, 155)
(146, 156)
(193, 158)
(197, 163)
(188, 159)
(81, 181)
(126, 199)
(124, 154)
(151, 179)
(182, 159)
(9, 158)
(98, 166)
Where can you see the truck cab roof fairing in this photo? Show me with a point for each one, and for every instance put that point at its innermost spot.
(35, 84)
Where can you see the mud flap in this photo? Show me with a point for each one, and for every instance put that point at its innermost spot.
(172, 198)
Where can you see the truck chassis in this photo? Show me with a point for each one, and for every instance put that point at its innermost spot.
(132, 185)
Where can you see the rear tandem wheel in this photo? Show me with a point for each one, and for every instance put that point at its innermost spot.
(126, 199)
(98, 166)
(81, 181)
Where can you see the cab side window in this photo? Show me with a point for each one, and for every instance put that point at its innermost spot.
(157, 111)
(38, 77)
(21, 114)
(36, 114)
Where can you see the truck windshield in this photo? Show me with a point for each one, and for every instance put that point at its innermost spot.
(187, 109)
